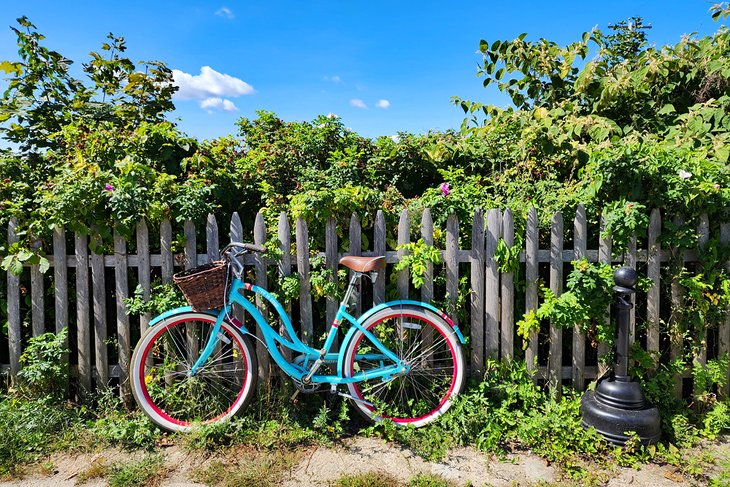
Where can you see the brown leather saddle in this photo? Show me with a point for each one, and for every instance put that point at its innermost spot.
(363, 264)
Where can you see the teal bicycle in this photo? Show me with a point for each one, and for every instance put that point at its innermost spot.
(401, 360)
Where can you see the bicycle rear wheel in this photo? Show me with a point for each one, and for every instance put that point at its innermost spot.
(174, 399)
(430, 349)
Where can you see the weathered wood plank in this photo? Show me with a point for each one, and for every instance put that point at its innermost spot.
(235, 234)
(676, 328)
(167, 261)
(703, 236)
(379, 233)
(143, 271)
(305, 295)
(14, 320)
(331, 261)
(508, 292)
(83, 317)
(556, 286)
(191, 243)
(491, 284)
(477, 265)
(452, 265)
(60, 282)
(37, 295)
(653, 272)
(355, 233)
(580, 245)
(404, 238)
(212, 243)
(121, 281)
(284, 236)
(262, 354)
(532, 242)
(604, 257)
(427, 235)
(630, 261)
(724, 332)
(60, 278)
(98, 281)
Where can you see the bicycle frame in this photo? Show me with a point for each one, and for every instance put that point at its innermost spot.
(300, 369)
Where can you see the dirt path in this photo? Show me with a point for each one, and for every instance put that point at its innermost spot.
(319, 466)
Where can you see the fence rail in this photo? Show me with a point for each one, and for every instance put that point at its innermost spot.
(99, 313)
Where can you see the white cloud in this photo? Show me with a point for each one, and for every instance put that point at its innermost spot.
(335, 79)
(383, 104)
(218, 103)
(208, 84)
(225, 12)
(358, 103)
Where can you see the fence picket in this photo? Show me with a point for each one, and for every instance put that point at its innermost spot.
(404, 238)
(724, 333)
(37, 295)
(676, 336)
(235, 234)
(305, 298)
(212, 244)
(477, 264)
(605, 244)
(580, 243)
(427, 235)
(60, 281)
(555, 359)
(331, 261)
(653, 272)
(284, 236)
(379, 247)
(123, 331)
(355, 233)
(262, 354)
(507, 292)
(14, 321)
(630, 261)
(532, 242)
(190, 262)
(703, 236)
(167, 260)
(143, 271)
(98, 282)
(83, 318)
(491, 285)
(452, 265)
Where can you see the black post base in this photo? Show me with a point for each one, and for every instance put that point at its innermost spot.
(617, 407)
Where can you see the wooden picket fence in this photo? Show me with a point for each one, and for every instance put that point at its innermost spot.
(492, 311)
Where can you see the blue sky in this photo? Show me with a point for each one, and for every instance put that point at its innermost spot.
(382, 66)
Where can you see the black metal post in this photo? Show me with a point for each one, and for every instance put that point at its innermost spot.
(618, 406)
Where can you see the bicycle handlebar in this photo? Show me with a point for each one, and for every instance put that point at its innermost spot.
(244, 246)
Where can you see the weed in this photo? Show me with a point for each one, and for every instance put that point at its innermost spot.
(44, 373)
(258, 468)
(148, 471)
(430, 480)
(99, 468)
(368, 479)
(28, 429)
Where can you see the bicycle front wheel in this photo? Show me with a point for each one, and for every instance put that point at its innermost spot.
(172, 397)
(430, 350)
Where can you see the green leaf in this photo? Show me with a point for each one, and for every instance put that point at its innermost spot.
(11, 68)
(668, 108)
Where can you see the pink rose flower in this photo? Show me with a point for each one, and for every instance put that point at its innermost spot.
(445, 190)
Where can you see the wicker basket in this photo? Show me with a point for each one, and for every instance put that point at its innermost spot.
(205, 286)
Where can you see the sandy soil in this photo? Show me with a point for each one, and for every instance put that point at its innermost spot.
(319, 466)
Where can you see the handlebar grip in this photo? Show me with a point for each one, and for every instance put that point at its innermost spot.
(254, 247)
